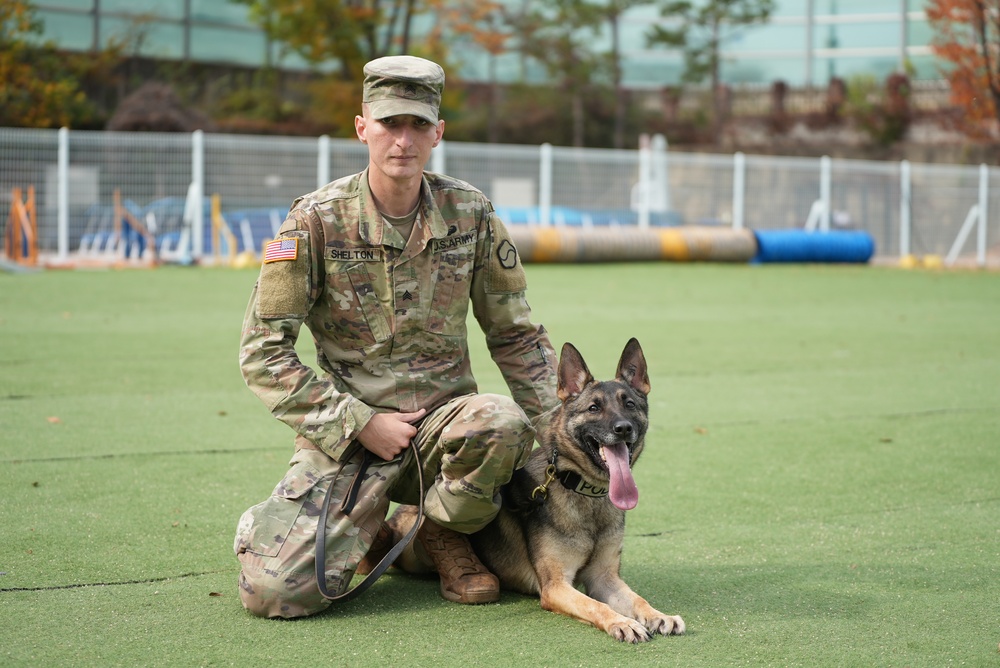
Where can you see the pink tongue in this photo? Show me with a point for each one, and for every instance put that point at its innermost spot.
(623, 492)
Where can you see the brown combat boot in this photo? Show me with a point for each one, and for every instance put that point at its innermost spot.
(384, 541)
(464, 579)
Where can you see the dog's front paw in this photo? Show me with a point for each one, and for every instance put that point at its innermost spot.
(629, 630)
(668, 625)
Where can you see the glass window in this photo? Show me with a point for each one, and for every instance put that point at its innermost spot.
(919, 32)
(69, 31)
(765, 38)
(791, 70)
(227, 45)
(220, 12)
(633, 33)
(166, 9)
(641, 14)
(842, 7)
(509, 68)
(858, 35)
(84, 5)
(879, 67)
(649, 70)
(154, 39)
(788, 9)
(926, 67)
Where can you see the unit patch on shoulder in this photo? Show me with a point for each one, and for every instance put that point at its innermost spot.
(507, 254)
(504, 273)
(281, 250)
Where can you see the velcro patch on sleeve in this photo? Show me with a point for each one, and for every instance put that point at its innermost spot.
(504, 272)
(281, 250)
(283, 286)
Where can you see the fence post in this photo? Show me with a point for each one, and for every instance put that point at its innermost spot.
(661, 172)
(984, 189)
(904, 208)
(545, 185)
(323, 161)
(739, 189)
(975, 218)
(62, 196)
(645, 181)
(198, 193)
(826, 176)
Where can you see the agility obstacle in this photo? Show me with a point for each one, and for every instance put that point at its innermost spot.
(688, 243)
(133, 242)
(620, 244)
(222, 234)
(844, 246)
(21, 238)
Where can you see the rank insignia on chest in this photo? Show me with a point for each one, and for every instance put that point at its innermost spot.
(281, 250)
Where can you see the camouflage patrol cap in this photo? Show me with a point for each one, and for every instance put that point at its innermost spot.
(397, 85)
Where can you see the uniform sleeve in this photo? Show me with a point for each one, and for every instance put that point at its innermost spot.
(520, 348)
(281, 299)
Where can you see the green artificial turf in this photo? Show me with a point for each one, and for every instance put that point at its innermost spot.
(819, 487)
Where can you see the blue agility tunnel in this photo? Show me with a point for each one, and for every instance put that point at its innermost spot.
(802, 246)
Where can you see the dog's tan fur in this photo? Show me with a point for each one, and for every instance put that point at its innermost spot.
(547, 542)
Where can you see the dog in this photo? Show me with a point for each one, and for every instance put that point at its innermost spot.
(562, 521)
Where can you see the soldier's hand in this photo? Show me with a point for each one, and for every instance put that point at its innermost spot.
(388, 434)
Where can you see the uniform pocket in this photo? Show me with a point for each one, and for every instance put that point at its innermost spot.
(450, 303)
(266, 527)
(356, 313)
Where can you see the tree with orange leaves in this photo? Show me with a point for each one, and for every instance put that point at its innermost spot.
(350, 32)
(39, 87)
(968, 37)
(482, 23)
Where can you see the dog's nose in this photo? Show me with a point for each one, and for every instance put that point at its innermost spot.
(623, 428)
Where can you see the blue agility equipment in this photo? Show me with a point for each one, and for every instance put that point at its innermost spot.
(802, 246)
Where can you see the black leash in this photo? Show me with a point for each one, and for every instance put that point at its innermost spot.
(346, 506)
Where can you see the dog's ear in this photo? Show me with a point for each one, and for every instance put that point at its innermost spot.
(632, 367)
(573, 373)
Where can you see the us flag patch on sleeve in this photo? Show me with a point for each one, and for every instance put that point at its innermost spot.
(280, 250)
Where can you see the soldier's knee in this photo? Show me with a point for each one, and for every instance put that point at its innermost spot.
(273, 594)
(510, 432)
(503, 416)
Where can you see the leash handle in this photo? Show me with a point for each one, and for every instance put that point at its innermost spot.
(346, 506)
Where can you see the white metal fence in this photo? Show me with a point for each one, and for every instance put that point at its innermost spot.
(919, 209)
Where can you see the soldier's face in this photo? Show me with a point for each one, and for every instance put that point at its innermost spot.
(398, 146)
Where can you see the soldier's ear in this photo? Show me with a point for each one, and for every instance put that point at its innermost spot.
(632, 367)
(573, 373)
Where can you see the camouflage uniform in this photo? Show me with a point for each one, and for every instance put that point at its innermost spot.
(388, 318)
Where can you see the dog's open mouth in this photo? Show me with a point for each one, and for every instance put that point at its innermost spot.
(621, 485)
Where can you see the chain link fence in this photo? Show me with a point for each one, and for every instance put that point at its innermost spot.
(78, 176)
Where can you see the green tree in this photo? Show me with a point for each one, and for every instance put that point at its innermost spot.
(611, 12)
(700, 31)
(481, 23)
(561, 34)
(349, 32)
(558, 34)
(345, 34)
(38, 86)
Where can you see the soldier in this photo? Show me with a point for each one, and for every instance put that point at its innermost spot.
(383, 267)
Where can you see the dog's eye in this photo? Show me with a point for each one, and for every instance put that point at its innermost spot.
(594, 408)
(629, 404)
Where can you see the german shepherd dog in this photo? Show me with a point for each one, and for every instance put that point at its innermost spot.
(562, 522)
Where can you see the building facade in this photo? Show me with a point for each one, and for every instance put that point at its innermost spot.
(805, 42)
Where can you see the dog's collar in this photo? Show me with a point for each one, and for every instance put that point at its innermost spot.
(573, 481)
